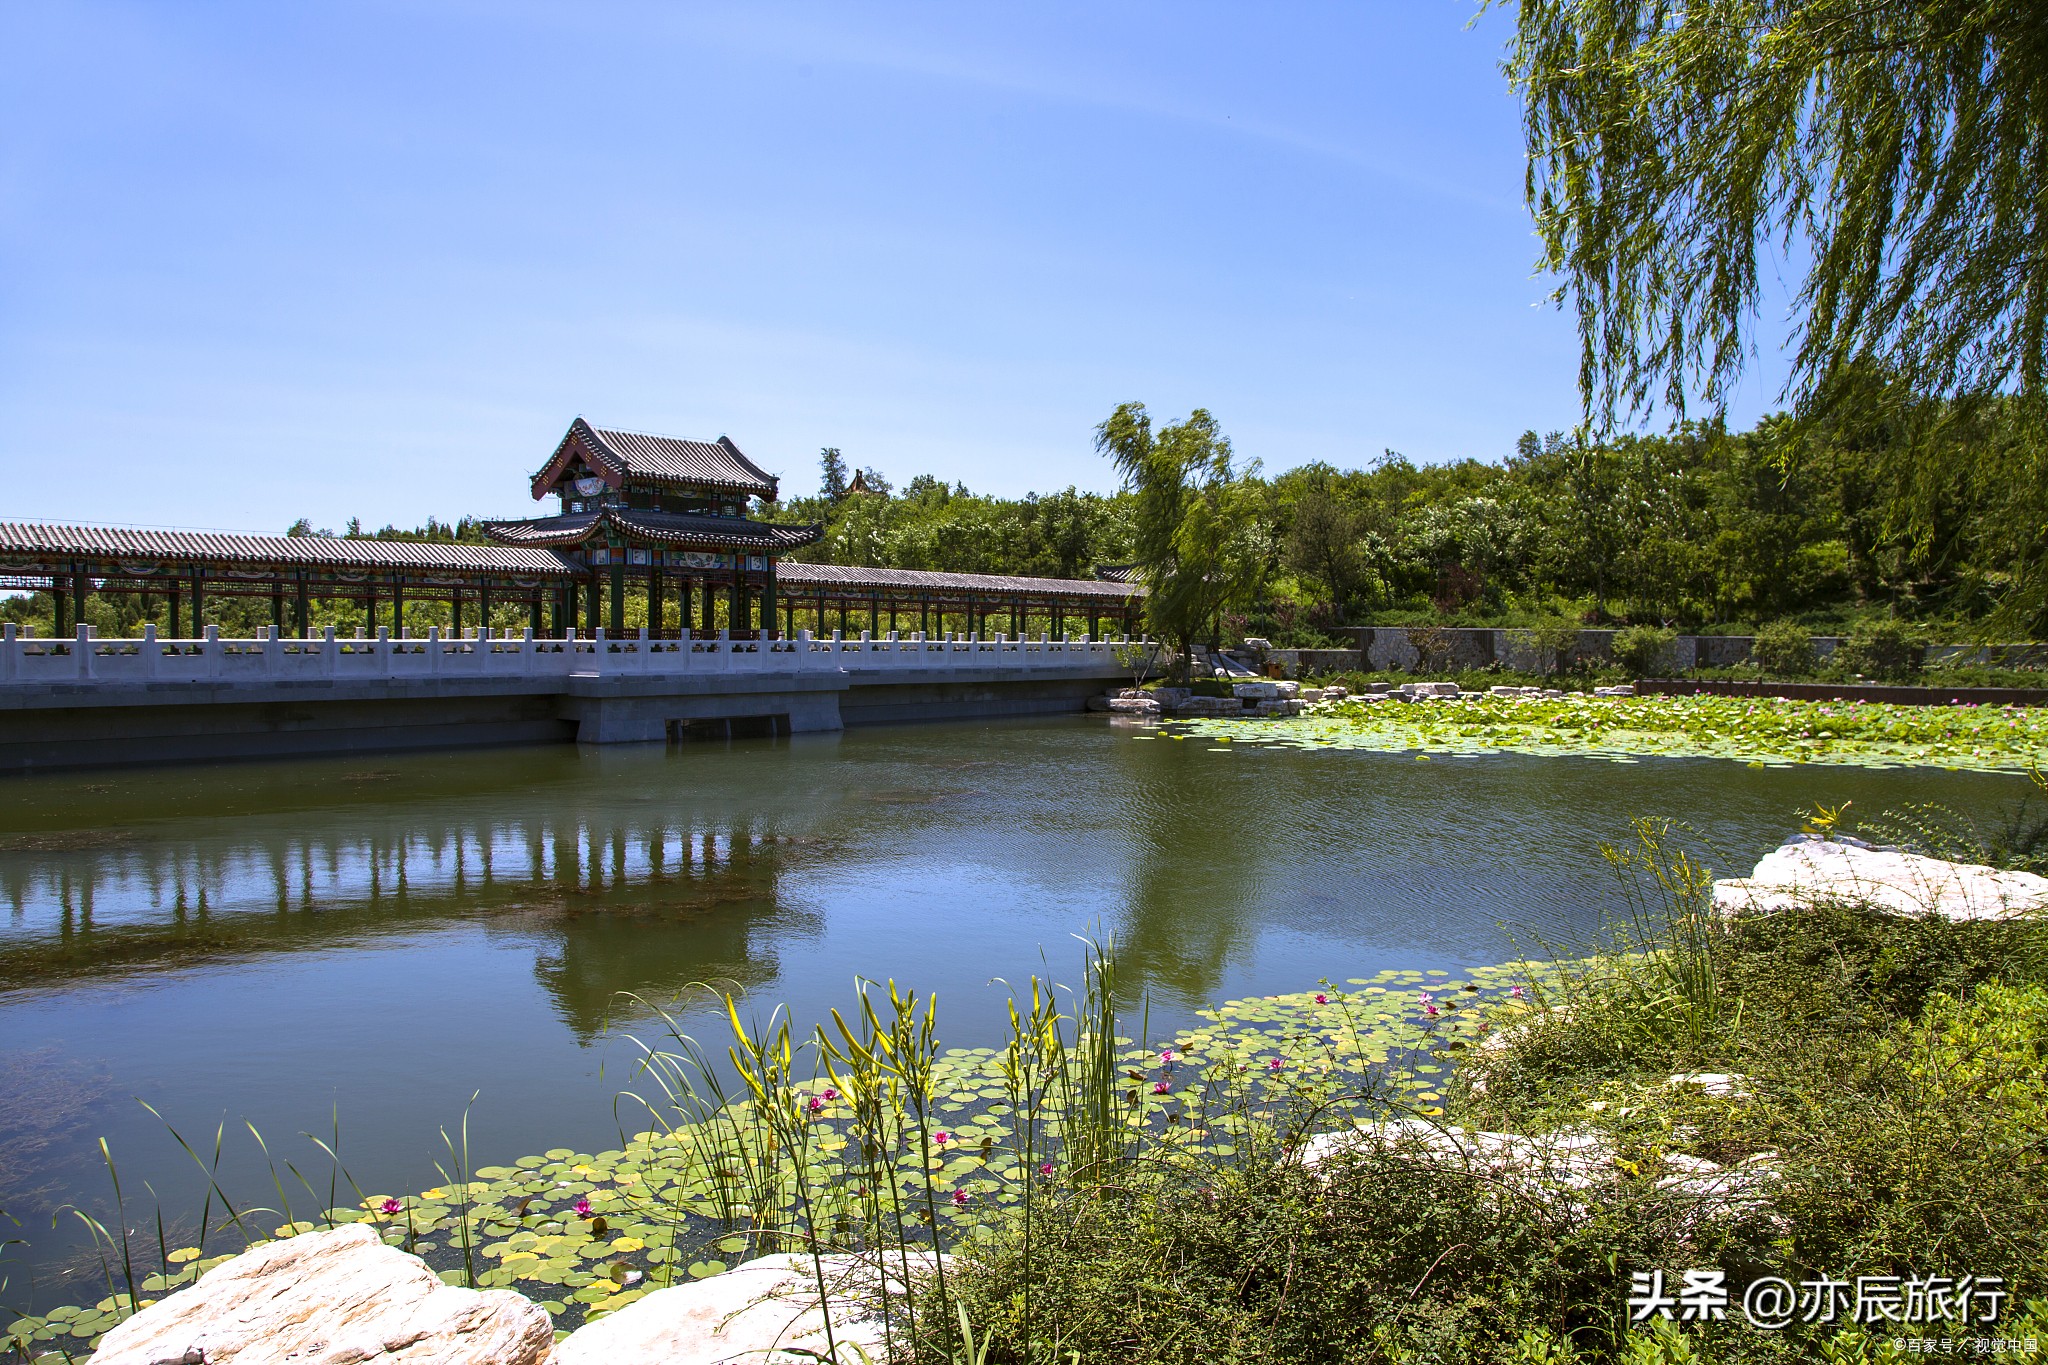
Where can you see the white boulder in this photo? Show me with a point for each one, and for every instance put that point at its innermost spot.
(1256, 691)
(339, 1297)
(1806, 871)
(1560, 1168)
(762, 1312)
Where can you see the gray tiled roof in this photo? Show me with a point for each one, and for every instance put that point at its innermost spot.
(668, 528)
(926, 580)
(115, 543)
(660, 459)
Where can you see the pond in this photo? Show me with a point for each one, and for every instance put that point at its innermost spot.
(366, 943)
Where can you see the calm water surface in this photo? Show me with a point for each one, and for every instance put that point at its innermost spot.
(380, 938)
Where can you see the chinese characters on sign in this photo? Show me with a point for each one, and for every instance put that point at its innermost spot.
(1770, 1303)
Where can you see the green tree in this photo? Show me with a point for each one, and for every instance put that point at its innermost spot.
(1195, 535)
(831, 473)
(1323, 543)
(1894, 150)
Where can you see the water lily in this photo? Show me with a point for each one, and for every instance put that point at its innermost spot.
(1274, 1064)
(583, 1206)
(942, 1138)
(390, 1207)
(830, 1094)
(1515, 991)
(1322, 1000)
(1045, 1168)
(1160, 1087)
(960, 1198)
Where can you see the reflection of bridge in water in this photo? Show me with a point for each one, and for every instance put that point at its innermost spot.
(585, 889)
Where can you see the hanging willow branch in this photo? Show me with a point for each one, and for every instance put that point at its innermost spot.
(1895, 151)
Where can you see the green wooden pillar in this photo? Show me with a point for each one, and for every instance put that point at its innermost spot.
(60, 603)
(277, 605)
(593, 609)
(768, 600)
(302, 608)
(455, 609)
(735, 603)
(177, 596)
(874, 616)
(924, 615)
(483, 604)
(618, 618)
(708, 600)
(656, 608)
(198, 602)
(533, 617)
(81, 586)
(397, 606)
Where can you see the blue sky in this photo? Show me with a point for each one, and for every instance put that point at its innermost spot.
(267, 260)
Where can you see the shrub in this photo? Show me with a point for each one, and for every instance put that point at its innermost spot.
(1882, 649)
(1783, 650)
(1645, 650)
(1555, 642)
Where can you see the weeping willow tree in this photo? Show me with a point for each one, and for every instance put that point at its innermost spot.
(1196, 537)
(1889, 156)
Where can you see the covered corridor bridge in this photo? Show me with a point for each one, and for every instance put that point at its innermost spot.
(179, 580)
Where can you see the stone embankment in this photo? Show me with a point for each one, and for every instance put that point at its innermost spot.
(1259, 699)
(342, 1297)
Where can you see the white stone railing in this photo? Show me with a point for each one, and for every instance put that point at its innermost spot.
(271, 657)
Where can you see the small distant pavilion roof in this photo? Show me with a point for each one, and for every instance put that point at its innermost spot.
(68, 541)
(641, 457)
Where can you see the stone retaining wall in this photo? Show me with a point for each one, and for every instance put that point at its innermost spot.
(1472, 648)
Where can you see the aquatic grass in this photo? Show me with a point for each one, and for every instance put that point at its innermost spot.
(1759, 731)
(1069, 1103)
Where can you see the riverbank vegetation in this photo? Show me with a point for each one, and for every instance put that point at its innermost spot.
(1295, 1179)
(1761, 731)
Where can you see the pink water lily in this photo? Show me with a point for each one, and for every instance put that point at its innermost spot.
(960, 1199)
(1045, 1168)
(583, 1206)
(942, 1138)
(831, 1094)
(1160, 1087)
(1274, 1064)
(390, 1206)
(1322, 999)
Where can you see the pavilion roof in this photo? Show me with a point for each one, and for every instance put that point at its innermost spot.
(666, 528)
(643, 458)
(929, 580)
(115, 543)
